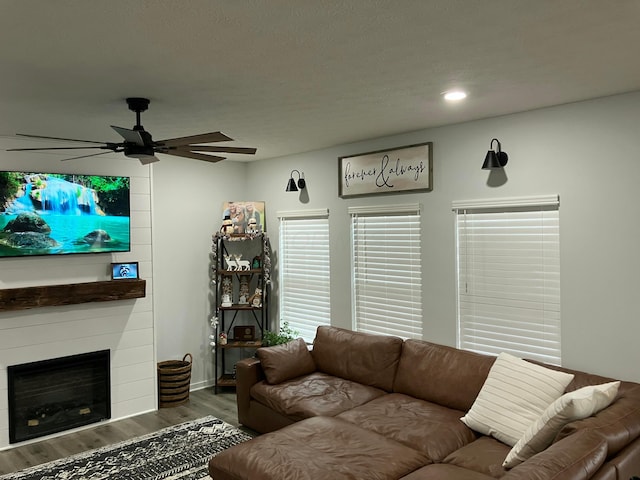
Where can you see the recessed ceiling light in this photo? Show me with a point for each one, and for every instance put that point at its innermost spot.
(455, 95)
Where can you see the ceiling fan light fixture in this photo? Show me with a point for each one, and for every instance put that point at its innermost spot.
(138, 151)
(146, 155)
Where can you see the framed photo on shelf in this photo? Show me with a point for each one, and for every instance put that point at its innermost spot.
(245, 333)
(245, 216)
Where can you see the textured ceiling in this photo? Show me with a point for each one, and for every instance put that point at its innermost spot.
(293, 76)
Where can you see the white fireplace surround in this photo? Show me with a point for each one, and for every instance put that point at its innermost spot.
(125, 327)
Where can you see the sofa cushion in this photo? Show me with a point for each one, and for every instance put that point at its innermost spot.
(576, 405)
(316, 448)
(424, 426)
(364, 358)
(441, 471)
(440, 374)
(312, 395)
(284, 362)
(514, 395)
(484, 456)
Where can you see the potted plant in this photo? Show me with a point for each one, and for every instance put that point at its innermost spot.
(284, 335)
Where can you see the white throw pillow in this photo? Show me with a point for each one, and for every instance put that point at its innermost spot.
(513, 396)
(571, 406)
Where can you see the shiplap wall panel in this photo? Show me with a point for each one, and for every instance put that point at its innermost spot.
(80, 329)
(125, 327)
(125, 392)
(130, 373)
(136, 405)
(131, 356)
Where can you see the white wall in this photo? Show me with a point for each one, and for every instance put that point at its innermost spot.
(125, 327)
(587, 152)
(187, 210)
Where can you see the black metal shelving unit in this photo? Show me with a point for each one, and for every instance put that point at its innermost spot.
(235, 312)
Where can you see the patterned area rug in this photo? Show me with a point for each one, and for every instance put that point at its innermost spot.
(181, 452)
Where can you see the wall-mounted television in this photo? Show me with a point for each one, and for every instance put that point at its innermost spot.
(57, 214)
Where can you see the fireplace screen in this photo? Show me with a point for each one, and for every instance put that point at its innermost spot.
(54, 395)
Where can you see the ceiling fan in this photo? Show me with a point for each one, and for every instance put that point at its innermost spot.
(139, 144)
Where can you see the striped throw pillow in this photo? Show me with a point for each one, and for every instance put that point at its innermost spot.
(514, 395)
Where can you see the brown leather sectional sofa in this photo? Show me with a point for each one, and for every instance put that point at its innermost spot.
(375, 407)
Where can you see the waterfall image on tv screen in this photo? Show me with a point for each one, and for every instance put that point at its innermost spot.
(58, 214)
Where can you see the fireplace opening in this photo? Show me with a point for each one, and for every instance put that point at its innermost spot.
(54, 395)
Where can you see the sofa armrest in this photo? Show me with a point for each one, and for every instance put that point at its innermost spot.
(576, 457)
(619, 423)
(248, 373)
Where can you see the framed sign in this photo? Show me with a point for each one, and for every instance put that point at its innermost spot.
(404, 169)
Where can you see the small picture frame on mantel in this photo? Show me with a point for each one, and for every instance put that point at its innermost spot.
(124, 271)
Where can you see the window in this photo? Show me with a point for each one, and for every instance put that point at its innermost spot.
(304, 271)
(508, 256)
(387, 270)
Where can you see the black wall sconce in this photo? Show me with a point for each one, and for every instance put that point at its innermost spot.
(291, 185)
(495, 159)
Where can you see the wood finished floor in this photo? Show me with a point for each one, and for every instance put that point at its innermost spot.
(201, 403)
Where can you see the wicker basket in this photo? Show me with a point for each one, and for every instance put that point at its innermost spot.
(174, 380)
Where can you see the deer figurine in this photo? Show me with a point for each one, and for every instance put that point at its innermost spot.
(232, 264)
(242, 264)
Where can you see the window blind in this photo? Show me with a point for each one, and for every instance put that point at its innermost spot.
(304, 271)
(509, 278)
(387, 271)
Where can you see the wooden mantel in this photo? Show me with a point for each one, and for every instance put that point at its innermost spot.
(69, 294)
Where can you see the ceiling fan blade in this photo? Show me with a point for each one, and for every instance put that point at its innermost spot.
(104, 147)
(85, 156)
(194, 155)
(132, 136)
(202, 138)
(147, 159)
(56, 138)
(207, 148)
